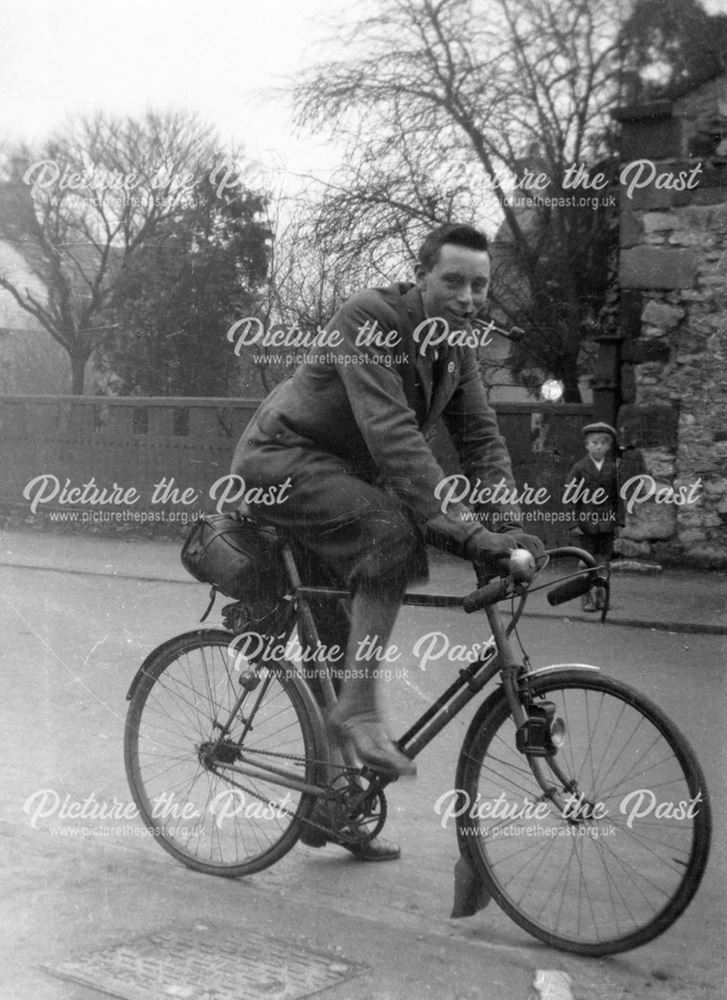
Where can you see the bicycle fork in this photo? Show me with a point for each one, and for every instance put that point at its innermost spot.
(533, 733)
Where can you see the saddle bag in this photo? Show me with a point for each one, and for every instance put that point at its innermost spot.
(238, 556)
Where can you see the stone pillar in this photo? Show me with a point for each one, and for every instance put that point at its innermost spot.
(673, 320)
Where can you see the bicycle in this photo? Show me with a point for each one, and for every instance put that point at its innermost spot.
(578, 803)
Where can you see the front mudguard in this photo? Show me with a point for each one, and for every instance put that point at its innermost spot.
(470, 892)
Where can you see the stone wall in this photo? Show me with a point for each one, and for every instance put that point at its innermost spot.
(673, 320)
(164, 448)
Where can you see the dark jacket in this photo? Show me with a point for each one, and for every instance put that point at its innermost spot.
(594, 518)
(376, 407)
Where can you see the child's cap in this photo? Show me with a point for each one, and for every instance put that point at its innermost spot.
(599, 428)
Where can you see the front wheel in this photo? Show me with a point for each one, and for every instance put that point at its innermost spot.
(210, 741)
(612, 854)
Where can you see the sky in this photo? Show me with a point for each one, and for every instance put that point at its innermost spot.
(61, 57)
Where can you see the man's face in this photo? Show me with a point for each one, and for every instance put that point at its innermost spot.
(598, 445)
(456, 287)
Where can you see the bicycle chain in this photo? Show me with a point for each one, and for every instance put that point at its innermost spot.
(342, 768)
(342, 771)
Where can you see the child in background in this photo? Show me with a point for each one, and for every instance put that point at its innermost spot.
(597, 521)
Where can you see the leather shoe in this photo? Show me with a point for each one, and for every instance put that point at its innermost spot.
(377, 849)
(312, 836)
(373, 747)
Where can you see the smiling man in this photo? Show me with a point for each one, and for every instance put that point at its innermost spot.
(352, 428)
(452, 280)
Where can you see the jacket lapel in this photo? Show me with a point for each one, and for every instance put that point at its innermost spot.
(416, 375)
(434, 381)
(446, 376)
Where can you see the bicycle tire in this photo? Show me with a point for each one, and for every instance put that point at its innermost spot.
(212, 819)
(593, 885)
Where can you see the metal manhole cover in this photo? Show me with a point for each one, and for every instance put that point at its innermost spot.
(206, 963)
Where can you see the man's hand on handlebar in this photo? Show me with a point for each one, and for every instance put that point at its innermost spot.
(530, 542)
(490, 552)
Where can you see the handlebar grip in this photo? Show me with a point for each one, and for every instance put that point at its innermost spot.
(483, 596)
(575, 587)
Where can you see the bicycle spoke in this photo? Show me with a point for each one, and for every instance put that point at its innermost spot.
(611, 867)
(187, 727)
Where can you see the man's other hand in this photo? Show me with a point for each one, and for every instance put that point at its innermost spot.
(491, 552)
(530, 542)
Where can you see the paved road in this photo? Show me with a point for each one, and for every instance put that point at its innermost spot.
(72, 644)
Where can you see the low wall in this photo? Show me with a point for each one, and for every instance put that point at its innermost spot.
(95, 462)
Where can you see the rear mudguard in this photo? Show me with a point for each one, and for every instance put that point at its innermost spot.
(165, 645)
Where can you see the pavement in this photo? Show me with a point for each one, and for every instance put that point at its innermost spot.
(671, 600)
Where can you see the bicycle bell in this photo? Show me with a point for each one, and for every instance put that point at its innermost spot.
(522, 566)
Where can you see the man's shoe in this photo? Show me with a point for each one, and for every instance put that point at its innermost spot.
(311, 835)
(373, 747)
(378, 849)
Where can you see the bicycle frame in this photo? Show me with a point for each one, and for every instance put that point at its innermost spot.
(498, 658)
(580, 808)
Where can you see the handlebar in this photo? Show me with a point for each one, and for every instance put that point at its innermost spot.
(576, 586)
(517, 571)
(484, 596)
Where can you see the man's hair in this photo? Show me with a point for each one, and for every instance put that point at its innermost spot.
(450, 232)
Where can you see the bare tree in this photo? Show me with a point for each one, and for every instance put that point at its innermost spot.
(308, 279)
(448, 104)
(81, 206)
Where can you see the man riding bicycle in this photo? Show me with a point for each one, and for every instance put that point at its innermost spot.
(350, 431)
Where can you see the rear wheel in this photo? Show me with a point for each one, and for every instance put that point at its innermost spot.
(616, 858)
(184, 771)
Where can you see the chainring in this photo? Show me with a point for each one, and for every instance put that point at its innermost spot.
(357, 812)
